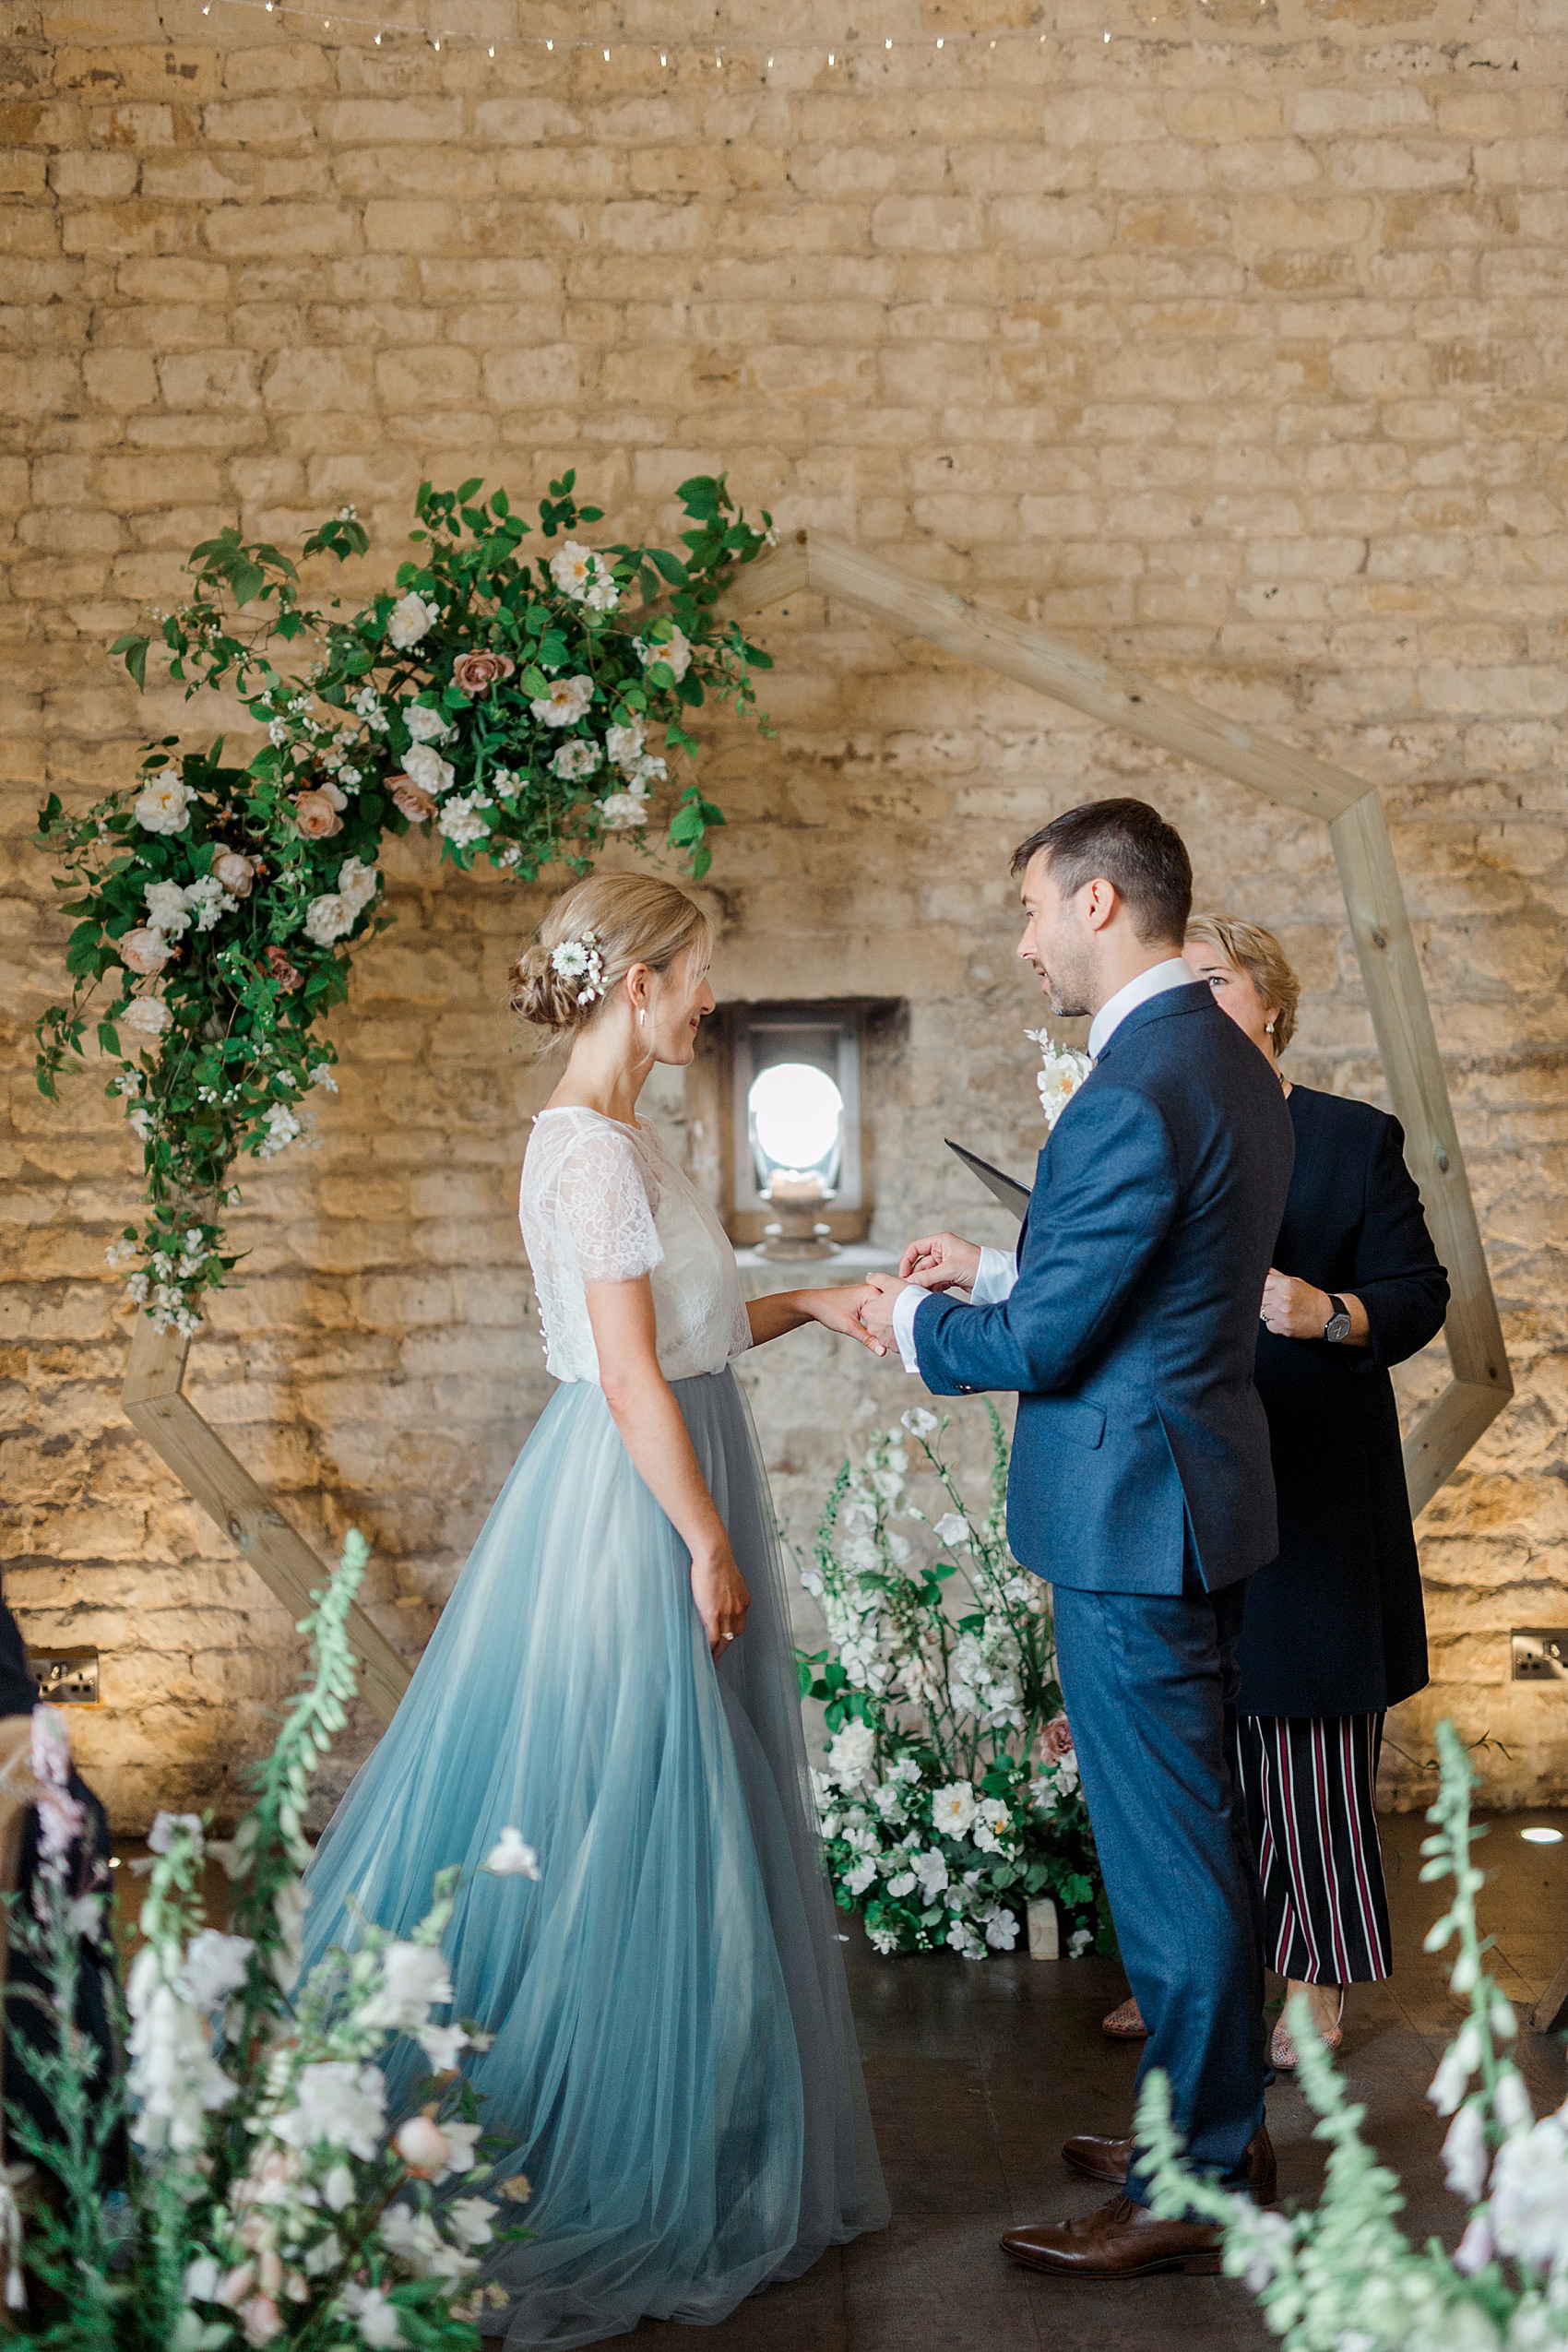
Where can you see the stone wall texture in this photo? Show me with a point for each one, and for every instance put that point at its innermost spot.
(1223, 340)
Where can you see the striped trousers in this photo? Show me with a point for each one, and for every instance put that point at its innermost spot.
(1308, 1784)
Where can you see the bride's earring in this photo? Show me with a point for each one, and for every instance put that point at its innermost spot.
(1268, 1028)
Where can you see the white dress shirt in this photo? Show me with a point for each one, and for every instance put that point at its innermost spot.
(999, 1268)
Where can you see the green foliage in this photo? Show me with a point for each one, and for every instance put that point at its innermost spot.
(949, 1796)
(1346, 2275)
(217, 906)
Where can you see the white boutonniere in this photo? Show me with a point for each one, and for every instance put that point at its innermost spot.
(1064, 1072)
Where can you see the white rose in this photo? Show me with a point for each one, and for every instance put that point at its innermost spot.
(568, 700)
(357, 886)
(146, 1017)
(851, 1753)
(410, 619)
(327, 918)
(163, 804)
(575, 759)
(168, 908)
(623, 810)
(426, 726)
(578, 573)
(625, 743)
(460, 822)
(675, 652)
(424, 766)
(953, 1809)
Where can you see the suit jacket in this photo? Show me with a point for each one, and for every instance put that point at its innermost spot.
(1140, 1447)
(1334, 1625)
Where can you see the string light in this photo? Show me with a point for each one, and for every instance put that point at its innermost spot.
(969, 41)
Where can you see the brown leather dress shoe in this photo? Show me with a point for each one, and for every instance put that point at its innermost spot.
(1100, 2159)
(1119, 2240)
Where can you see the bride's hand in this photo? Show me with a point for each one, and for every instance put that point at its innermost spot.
(839, 1310)
(720, 1591)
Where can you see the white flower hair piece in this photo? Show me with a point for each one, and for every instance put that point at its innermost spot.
(579, 960)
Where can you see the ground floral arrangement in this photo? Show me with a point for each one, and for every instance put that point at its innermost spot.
(510, 705)
(949, 1793)
(269, 2198)
(1344, 2277)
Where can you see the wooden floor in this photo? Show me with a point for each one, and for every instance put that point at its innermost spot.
(977, 2072)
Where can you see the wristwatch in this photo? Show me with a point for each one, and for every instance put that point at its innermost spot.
(1337, 1327)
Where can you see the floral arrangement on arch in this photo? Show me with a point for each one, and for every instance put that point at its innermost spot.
(270, 2196)
(1344, 2277)
(520, 708)
(949, 1796)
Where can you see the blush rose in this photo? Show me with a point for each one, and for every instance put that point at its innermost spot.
(477, 672)
(315, 816)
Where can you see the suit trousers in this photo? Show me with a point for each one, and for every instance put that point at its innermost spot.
(1149, 1683)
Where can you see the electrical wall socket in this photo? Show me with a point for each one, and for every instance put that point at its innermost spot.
(69, 1678)
(1540, 1654)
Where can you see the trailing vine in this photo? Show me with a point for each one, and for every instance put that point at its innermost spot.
(517, 705)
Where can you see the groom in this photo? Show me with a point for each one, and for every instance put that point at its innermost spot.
(1141, 1488)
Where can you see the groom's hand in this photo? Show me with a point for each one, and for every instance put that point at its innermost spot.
(877, 1302)
(941, 1261)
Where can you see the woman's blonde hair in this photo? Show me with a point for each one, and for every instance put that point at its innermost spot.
(634, 918)
(1247, 947)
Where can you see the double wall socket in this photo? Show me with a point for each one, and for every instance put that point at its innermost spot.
(69, 1678)
(1540, 1654)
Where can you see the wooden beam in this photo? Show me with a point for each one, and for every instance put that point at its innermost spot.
(220, 1483)
(1374, 901)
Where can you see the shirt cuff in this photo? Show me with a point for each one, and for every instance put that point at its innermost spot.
(906, 1306)
(998, 1272)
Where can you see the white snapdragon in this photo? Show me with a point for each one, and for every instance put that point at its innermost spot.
(414, 1979)
(163, 804)
(215, 1968)
(174, 2080)
(411, 618)
(1528, 2208)
(338, 2104)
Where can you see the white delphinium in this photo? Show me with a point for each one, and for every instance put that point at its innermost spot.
(951, 1529)
(414, 1979)
(411, 618)
(920, 1421)
(367, 705)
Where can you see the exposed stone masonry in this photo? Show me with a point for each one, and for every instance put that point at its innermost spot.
(1231, 348)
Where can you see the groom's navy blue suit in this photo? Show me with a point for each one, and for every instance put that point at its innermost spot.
(1141, 1488)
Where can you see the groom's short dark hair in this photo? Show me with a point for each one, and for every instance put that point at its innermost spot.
(1131, 846)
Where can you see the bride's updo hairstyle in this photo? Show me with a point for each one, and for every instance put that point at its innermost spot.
(634, 919)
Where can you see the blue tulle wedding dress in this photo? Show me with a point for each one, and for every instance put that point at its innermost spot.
(673, 2055)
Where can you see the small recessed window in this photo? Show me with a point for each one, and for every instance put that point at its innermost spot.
(795, 1175)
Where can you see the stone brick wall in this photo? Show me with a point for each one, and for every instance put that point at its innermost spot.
(1230, 346)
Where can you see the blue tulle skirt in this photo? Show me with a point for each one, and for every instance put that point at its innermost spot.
(673, 2057)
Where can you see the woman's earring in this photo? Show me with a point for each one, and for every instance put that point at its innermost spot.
(1268, 1028)
(642, 1016)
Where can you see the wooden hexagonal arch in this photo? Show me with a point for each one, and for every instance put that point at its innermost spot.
(1375, 902)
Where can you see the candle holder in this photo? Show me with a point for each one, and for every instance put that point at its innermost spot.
(797, 1231)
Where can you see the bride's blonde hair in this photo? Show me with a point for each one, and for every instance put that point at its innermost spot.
(634, 918)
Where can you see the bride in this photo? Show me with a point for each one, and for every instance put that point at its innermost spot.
(673, 2057)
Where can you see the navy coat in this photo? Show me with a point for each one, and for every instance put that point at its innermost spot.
(1140, 1444)
(1334, 1625)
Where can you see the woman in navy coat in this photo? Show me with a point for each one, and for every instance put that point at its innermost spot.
(1334, 1632)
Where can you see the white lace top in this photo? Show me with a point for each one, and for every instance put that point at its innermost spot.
(605, 1203)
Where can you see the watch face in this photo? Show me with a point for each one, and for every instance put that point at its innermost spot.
(1338, 1326)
